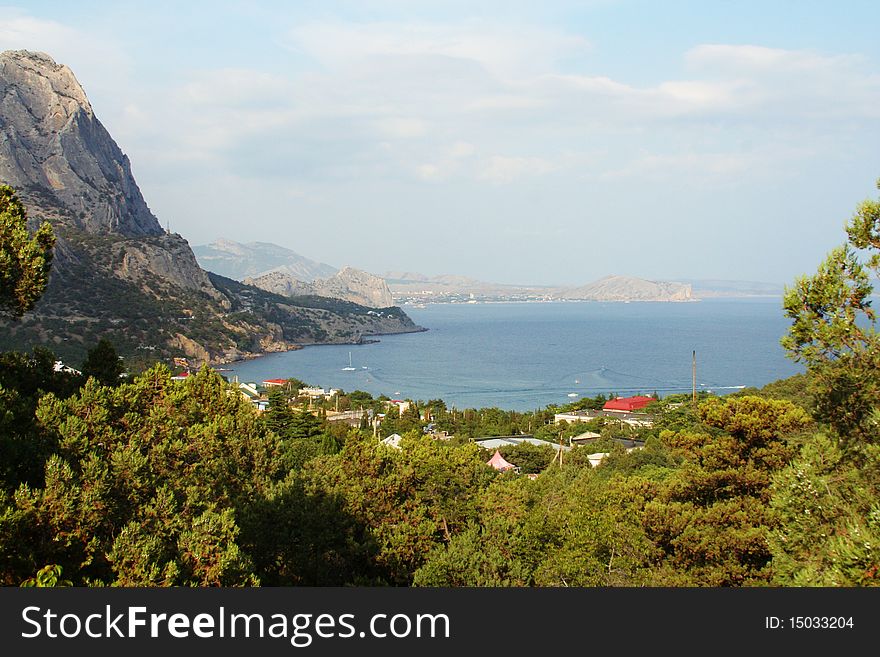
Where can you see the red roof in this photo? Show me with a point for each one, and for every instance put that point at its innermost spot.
(627, 404)
(277, 382)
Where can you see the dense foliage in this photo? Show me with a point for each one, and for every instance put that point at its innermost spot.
(24, 259)
(148, 480)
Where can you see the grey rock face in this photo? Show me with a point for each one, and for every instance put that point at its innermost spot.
(357, 286)
(348, 284)
(627, 288)
(116, 273)
(56, 153)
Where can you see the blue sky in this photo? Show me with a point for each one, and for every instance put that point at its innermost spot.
(517, 142)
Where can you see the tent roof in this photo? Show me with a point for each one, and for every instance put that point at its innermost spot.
(499, 463)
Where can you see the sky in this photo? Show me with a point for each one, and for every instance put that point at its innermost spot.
(548, 142)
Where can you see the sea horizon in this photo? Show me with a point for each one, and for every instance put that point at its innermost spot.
(527, 355)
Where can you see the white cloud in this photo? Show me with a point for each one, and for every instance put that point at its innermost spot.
(505, 51)
(398, 127)
(487, 112)
(100, 64)
(503, 170)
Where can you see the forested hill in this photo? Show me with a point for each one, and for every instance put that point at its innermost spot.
(116, 273)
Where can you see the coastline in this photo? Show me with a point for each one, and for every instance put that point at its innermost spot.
(250, 356)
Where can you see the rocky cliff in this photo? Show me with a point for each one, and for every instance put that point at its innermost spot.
(627, 288)
(348, 284)
(116, 273)
(56, 153)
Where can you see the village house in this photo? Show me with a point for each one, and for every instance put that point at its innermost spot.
(627, 404)
(497, 442)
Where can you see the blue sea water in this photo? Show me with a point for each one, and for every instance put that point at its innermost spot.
(523, 356)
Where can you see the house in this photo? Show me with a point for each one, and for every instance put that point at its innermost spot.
(627, 404)
(585, 437)
(402, 406)
(66, 369)
(574, 416)
(626, 443)
(250, 393)
(640, 419)
(498, 442)
(499, 463)
(312, 392)
(273, 383)
(352, 418)
(392, 441)
(596, 458)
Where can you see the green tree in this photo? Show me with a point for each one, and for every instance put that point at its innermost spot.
(147, 485)
(710, 517)
(24, 260)
(279, 415)
(827, 498)
(104, 364)
(531, 459)
(413, 498)
(834, 334)
(829, 517)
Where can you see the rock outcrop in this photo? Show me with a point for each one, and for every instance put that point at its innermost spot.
(116, 273)
(348, 284)
(55, 152)
(627, 288)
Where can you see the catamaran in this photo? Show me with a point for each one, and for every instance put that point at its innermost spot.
(349, 368)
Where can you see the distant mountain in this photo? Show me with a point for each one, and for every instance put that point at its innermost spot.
(348, 284)
(627, 288)
(116, 273)
(413, 287)
(409, 287)
(240, 261)
(705, 288)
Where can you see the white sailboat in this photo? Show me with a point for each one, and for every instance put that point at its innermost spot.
(349, 368)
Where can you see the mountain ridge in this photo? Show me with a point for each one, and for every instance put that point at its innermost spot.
(238, 260)
(116, 273)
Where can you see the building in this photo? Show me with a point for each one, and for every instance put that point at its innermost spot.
(627, 404)
(585, 437)
(498, 442)
(351, 418)
(274, 383)
(66, 369)
(312, 392)
(402, 405)
(632, 419)
(392, 441)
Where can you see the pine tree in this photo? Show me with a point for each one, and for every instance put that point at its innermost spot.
(24, 260)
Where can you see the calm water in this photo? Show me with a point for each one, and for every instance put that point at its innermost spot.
(525, 356)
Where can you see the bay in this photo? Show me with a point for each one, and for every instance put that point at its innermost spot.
(523, 356)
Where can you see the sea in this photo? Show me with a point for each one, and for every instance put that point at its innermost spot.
(525, 356)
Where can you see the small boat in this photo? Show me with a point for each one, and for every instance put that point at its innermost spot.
(572, 394)
(349, 368)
